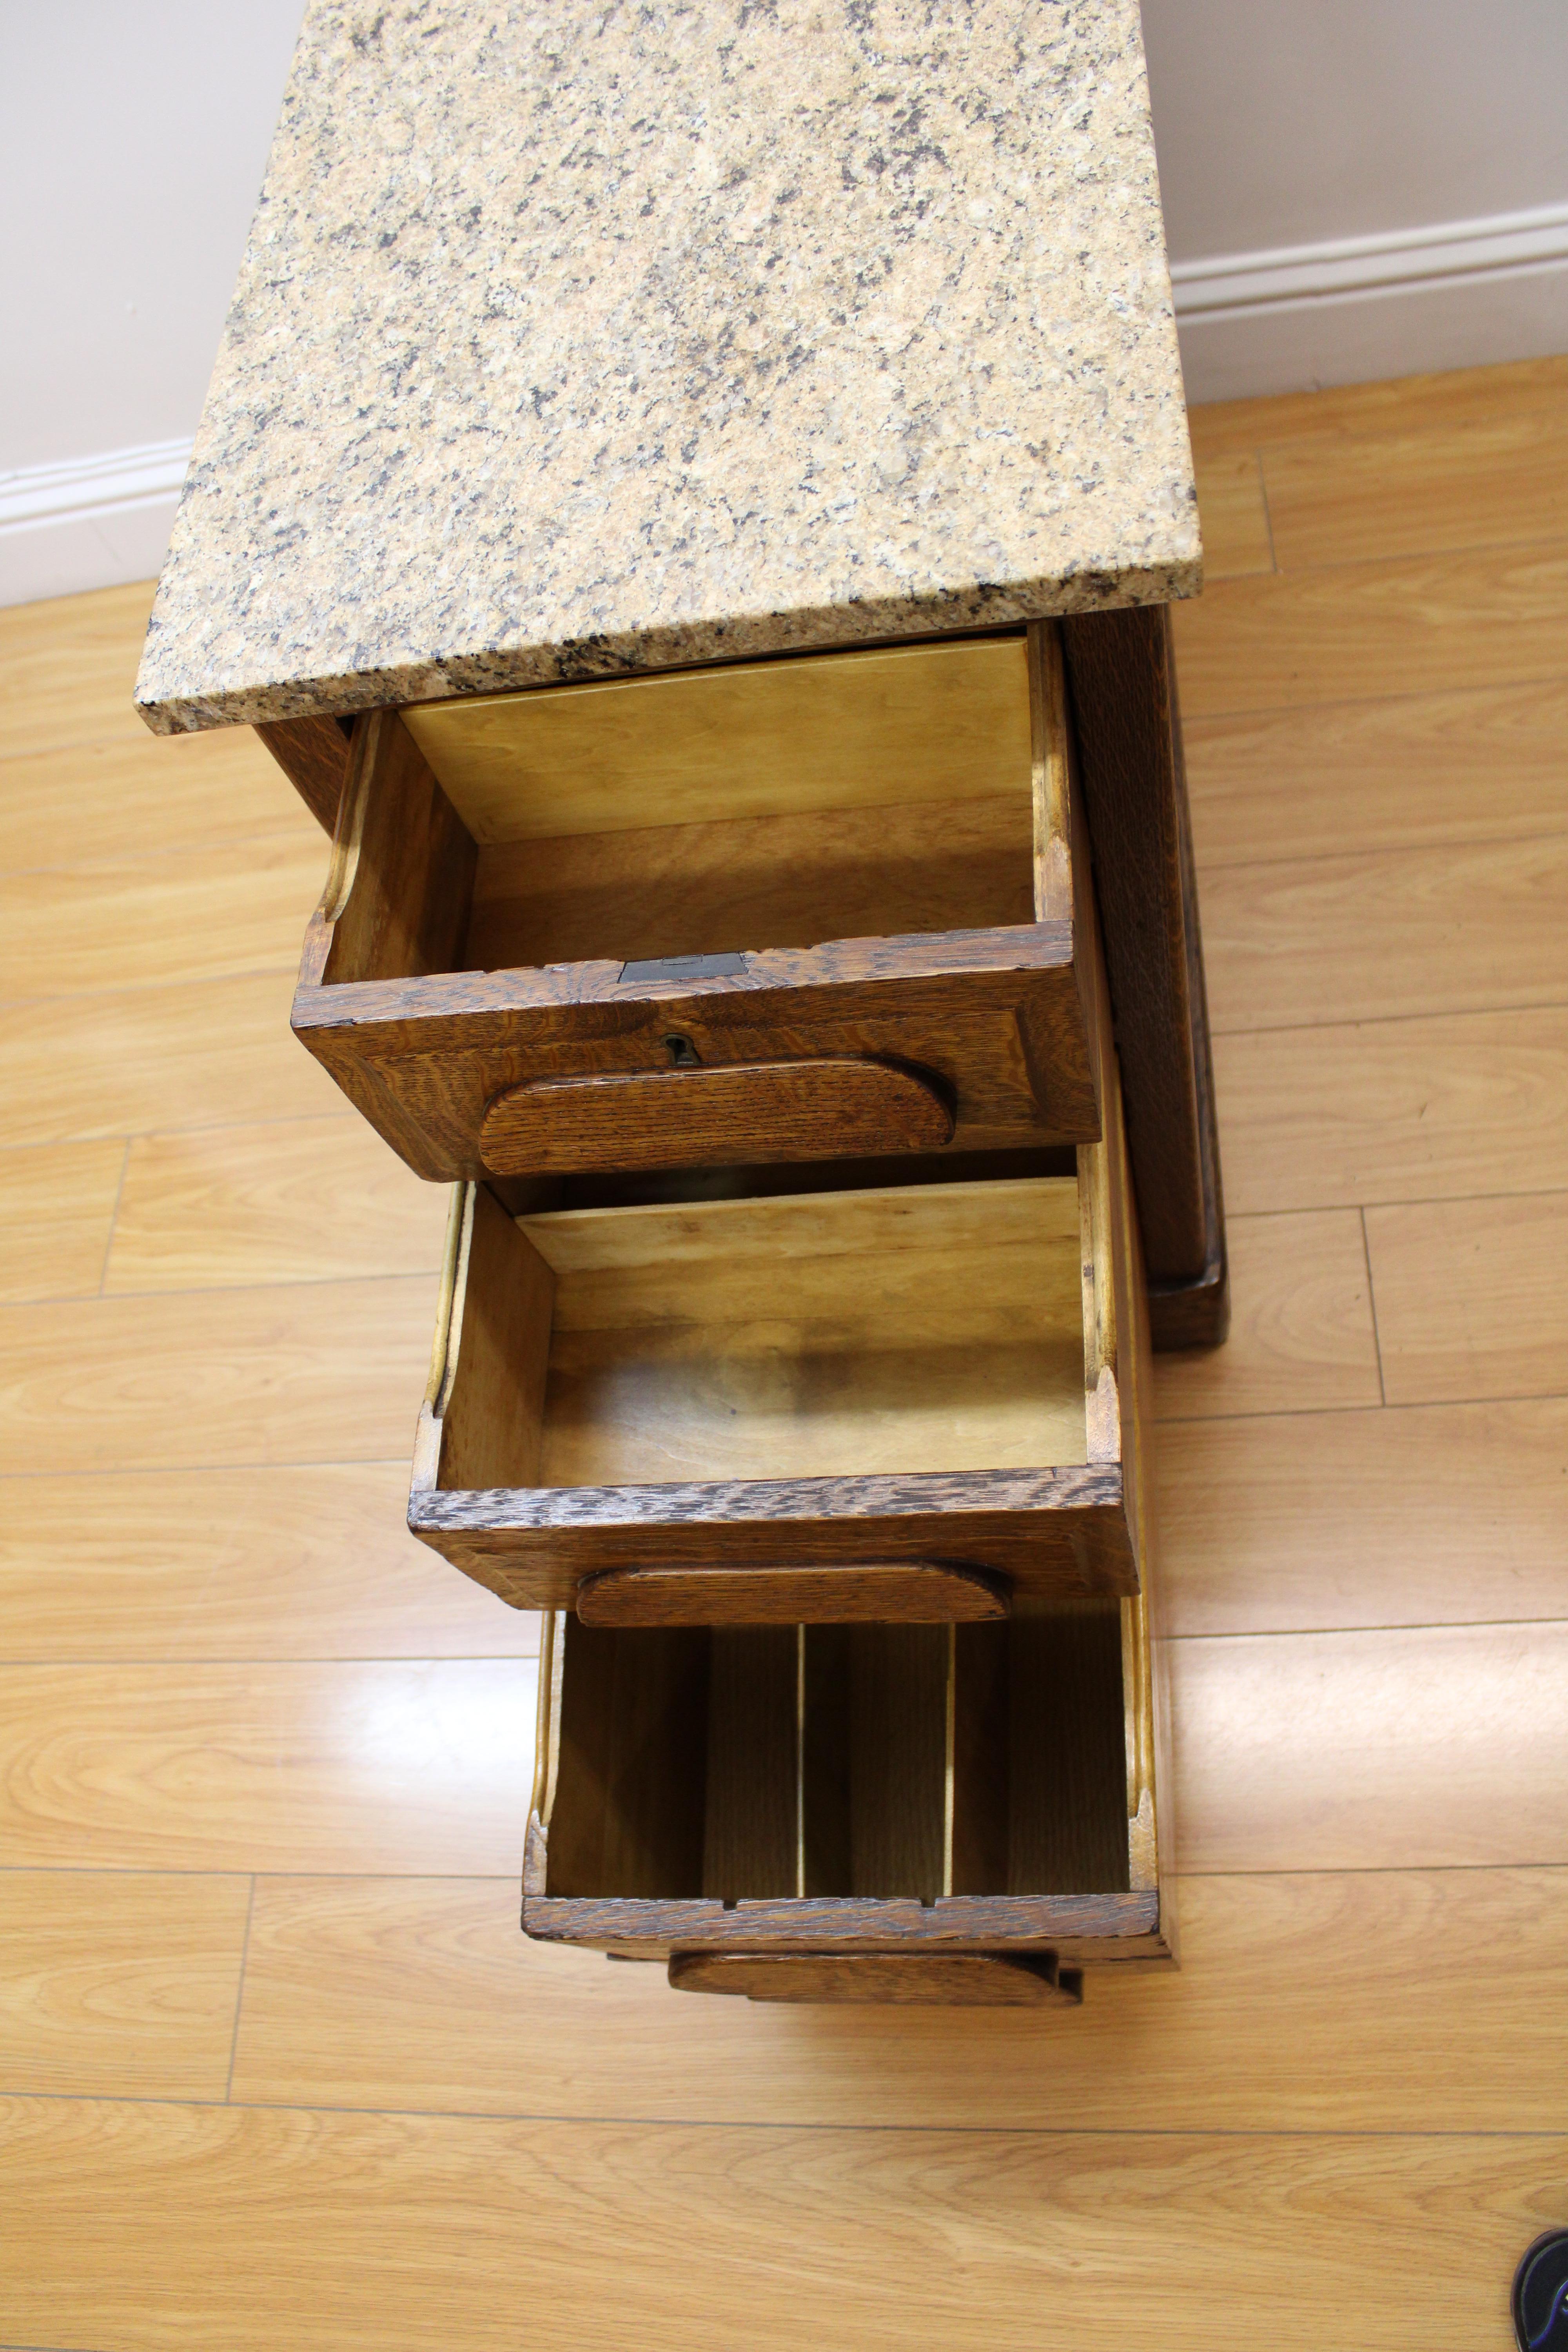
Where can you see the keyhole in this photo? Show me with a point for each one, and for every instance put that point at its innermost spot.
(682, 1053)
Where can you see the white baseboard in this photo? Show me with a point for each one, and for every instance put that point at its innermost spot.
(91, 522)
(1458, 294)
(1413, 303)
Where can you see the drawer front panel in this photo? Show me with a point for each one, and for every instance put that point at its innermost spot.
(700, 1116)
(868, 1800)
(912, 1592)
(964, 1981)
(934, 912)
(808, 1382)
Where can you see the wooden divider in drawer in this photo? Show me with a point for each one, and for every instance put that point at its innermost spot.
(912, 1402)
(815, 907)
(855, 1812)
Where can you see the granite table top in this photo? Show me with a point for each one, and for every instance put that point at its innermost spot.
(577, 337)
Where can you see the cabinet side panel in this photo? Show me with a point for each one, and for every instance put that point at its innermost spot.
(313, 753)
(407, 912)
(1122, 687)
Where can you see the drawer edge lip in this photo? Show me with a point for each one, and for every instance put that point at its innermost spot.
(844, 1923)
(1009, 952)
(1084, 1487)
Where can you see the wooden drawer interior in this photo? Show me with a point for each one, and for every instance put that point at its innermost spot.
(932, 1328)
(778, 805)
(925, 1374)
(739, 1765)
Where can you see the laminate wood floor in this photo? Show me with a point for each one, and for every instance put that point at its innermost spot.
(277, 2066)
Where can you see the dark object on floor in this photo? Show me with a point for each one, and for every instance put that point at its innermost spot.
(1540, 2294)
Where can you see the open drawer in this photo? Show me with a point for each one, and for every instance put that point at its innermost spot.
(916, 1401)
(815, 908)
(856, 1812)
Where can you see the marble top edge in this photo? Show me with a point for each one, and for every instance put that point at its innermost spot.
(840, 628)
(577, 339)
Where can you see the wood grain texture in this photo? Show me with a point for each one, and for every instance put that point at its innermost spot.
(315, 1199)
(962, 1980)
(1395, 774)
(1472, 1297)
(57, 1206)
(382, 1768)
(433, 980)
(912, 1592)
(401, 876)
(1465, 928)
(1366, 2004)
(1419, 624)
(753, 882)
(234, 1564)
(1084, 1930)
(820, 1109)
(128, 796)
(314, 755)
(886, 1375)
(273, 2237)
(165, 1057)
(1127, 731)
(1449, 1104)
(326, 1372)
(1406, 1747)
(657, 1746)
(1304, 2002)
(1055, 1531)
(1364, 496)
(900, 724)
(997, 1015)
(1455, 1514)
(1303, 1338)
(193, 914)
(752, 1776)
(70, 667)
(115, 1984)
(1232, 514)
(490, 1362)
(1439, 403)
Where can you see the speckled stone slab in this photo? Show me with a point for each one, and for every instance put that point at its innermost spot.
(575, 338)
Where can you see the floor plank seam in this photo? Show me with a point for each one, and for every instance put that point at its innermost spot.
(241, 1869)
(243, 1289)
(114, 1218)
(509, 1880)
(212, 1469)
(240, 1989)
(1445, 849)
(1453, 552)
(1256, 712)
(505, 2115)
(94, 998)
(1372, 1307)
(1391, 1020)
(1347, 1632)
(1279, 1413)
(199, 1661)
(1362, 701)
(1290, 1412)
(141, 856)
(1369, 1869)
